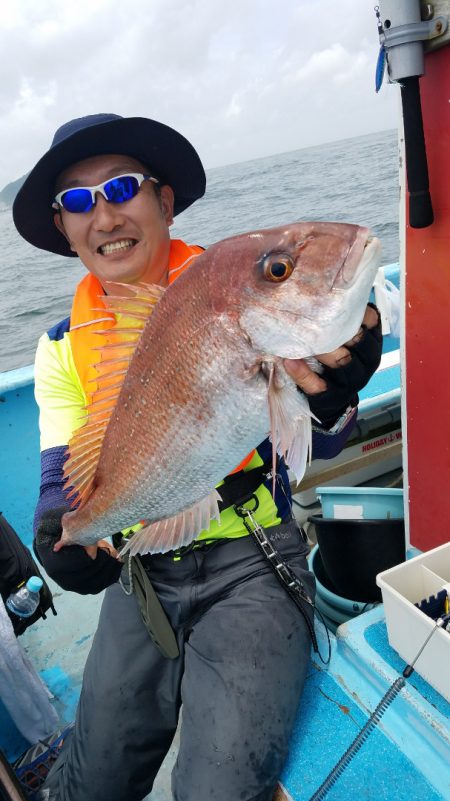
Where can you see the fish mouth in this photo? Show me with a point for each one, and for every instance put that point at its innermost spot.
(361, 254)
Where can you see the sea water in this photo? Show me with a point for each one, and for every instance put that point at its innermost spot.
(355, 180)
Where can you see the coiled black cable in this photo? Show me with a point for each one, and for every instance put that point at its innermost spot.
(359, 740)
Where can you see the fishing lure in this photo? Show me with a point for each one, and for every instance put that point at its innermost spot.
(381, 60)
(380, 68)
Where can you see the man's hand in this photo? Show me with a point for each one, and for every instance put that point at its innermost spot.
(84, 570)
(346, 370)
(91, 550)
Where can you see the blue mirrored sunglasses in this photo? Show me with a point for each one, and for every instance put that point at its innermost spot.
(115, 190)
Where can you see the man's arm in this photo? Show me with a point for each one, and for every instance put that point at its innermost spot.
(61, 402)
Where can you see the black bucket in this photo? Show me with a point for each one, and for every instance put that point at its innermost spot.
(354, 551)
(333, 607)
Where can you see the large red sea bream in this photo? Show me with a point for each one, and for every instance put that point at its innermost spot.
(204, 381)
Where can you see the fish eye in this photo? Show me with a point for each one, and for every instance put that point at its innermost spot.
(277, 267)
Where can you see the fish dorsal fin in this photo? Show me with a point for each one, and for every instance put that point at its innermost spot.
(111, 360)
(174, 532)
(290, 424)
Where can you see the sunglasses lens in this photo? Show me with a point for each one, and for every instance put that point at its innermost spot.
(121, 189)
(77, 200)
(117, 190)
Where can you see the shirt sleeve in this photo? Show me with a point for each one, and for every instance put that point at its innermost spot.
(328, 444)
(61, 402)
(52, 494)
(58, 392)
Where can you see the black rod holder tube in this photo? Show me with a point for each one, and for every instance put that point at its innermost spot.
(420, 207)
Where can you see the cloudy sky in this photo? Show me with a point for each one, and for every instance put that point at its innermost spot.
(240, 78)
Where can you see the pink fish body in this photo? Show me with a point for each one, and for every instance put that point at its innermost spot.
(205, 383)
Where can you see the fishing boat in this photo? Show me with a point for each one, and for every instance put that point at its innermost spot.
(355, 686)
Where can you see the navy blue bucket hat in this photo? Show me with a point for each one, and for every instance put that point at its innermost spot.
(161, 149)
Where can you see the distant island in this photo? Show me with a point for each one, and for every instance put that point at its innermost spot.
(9, 192)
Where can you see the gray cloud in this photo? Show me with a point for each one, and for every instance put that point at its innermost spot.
(242, 79)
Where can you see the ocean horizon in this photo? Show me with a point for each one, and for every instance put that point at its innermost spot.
(352, 180)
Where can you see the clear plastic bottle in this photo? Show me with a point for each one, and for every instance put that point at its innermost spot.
(24, 601)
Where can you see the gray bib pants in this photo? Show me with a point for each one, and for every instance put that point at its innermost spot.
(244, 651)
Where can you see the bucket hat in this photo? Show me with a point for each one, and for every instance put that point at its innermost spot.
(164, 151)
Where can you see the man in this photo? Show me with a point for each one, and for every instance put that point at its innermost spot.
(107, 191)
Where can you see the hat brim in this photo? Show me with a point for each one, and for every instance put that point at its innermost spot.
(157, 146)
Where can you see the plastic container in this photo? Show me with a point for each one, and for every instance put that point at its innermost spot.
(354, 551)
(24, 601)
(407, 626)
(333, 607)
(361, 503)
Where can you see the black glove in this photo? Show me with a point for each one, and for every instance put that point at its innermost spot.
(344, 383)
(71, 567)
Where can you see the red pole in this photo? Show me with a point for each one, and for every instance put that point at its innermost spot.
(427, 325)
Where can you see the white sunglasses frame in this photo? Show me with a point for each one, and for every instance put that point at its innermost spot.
(140, 177)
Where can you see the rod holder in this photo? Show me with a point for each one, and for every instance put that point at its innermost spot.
(402, 33)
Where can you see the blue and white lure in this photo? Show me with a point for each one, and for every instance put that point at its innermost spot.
(380, 68)
(381, 61)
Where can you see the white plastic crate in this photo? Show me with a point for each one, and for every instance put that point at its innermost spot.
(403, 586)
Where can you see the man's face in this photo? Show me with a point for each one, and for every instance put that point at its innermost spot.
(138, 228)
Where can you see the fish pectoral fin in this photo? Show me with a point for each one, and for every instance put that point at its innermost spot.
(174, 532)
(290, 426)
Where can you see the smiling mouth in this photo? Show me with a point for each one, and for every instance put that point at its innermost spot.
(121, 246)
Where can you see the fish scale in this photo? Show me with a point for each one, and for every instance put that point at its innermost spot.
(196, 398)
